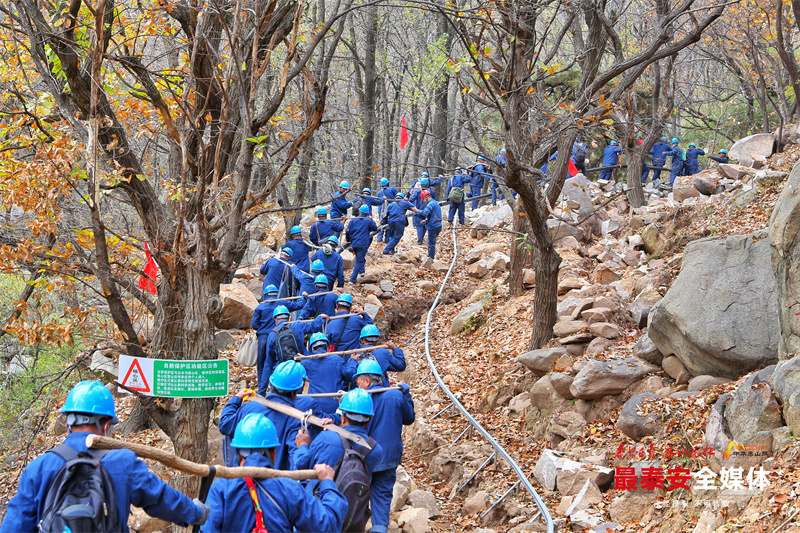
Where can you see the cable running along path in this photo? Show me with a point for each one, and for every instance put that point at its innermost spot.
(543, 513)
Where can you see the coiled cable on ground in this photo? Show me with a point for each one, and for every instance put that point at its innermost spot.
(543, 512)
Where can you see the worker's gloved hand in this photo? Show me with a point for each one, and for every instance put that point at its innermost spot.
(404, 388)
(205, 511)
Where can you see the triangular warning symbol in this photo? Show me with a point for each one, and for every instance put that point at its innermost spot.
(135, 379)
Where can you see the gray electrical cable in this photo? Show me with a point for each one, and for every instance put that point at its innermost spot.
(514, 466)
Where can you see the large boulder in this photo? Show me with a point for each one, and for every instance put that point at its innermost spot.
(238, 304)
(599, 378)
(541, 361)
(784, 230)
(752, 407)
(753, 147)
(493, 219)
(638, 425)
(578, 190)
(720, 315)
(785, 383)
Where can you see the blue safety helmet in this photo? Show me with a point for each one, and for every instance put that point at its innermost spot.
(424, 181)
(287, 251)
(664, 139)
(255, 432)
(459, 170)
(322, 279)
(370, 330)
(613, 143)
(503, 150)
(289, 375)
(295, 230)
(333, 239)
(317, 266)
(322, 212)
(399, 196)
(723, 151)
(691, 145)
(281, 310)
(344, 185)
(424, 174)
(384, 182)
(270, 289)
(357, 401)
(345, 299)
(363, 209)
(368, 366)
(91, 398)
(318, 337)
(481, 158)
(366, 190)
(674, 140)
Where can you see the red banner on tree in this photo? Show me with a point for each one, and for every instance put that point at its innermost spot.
(403, 133)
(146, 282)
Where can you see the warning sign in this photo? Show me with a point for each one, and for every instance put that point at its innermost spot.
(174, 379)
(135, 379)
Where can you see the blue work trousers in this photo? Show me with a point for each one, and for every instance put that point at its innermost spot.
(456, 207)
(676, 171)
(496, 192)
(475, 191)
(421, 229)
(360, 265)
(433, 234)
(395, 231)
(606, 174)
(658, 163)
(382, 488)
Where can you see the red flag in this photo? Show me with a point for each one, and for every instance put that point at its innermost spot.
(150, 273)
(571, 168)
(403, 134)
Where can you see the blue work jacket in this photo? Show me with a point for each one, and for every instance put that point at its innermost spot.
(677, 156)
(372, 201)
(322, 229)
(478, 173)
(397, 210)
(394, 361)
(611, 155)
(319, 305)
(273, 272)
(301, 329)
(329, 374)
(657, 151)
(459, 180)
(345, 333)
(340, 205)
(300, 251)
(262, 320)
(332, 266)
(393, 410)
(432, 212)
(359, 230)
(134, 484)
(232, 508)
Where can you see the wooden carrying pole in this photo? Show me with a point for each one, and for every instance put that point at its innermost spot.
(341, 393)
(334, 317)
(97, 442)
(345, 352)
(313, 420)
(312, 295)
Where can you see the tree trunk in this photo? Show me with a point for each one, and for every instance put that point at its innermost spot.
(635, 189)
(440, 118)
(368, 107)
(546, 262)
(521, 254)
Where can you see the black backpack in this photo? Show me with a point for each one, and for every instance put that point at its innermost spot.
(580, 154)
(353, 480)
(356, 203)
(287, 344)
(81, 495)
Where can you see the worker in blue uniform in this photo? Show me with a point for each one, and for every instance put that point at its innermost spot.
(331, 373)
(478, 175)
(345, 333)
(692, 165)
(324, 227)
(369, 200)
(676, 153)
(610, 159)
(393, 410)
(415, 198)
(283, 504)
(303, 281)
(262, 321)
(721, 157)
(300, 249)
(267, 365)
(431, 219)
(340, 205)
(659, 159)
(386, 194)
(277, 271)
(89, 409)
(357, 411)
(390, 361)
(459, 180)
(319, 305)
(359, 235)
(397, 222)
(333, 264)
